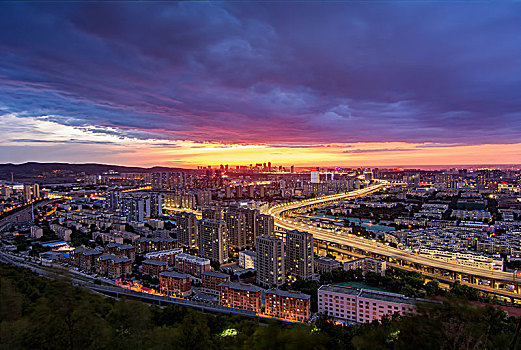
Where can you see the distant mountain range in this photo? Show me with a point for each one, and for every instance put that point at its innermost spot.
(33, 169)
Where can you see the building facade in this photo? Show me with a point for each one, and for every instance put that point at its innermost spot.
(211, 280)
(270, 261)
(288, 305)
(175, 284)
(240, 296)
(186, 229)
(366, 265)
(299, 254)
(213, 240)
(353, 305)
(193, 265)
(154, 267)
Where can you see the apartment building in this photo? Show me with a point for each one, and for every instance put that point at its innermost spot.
(211, 280)
(240, 296)
(154, 267)
(270, 261)
(175, 284)
(186, 229)
(352, 305)
(165, 255)
(367, 265)
(288, 305)
(299, 255)
(193, 265)
(213, 240)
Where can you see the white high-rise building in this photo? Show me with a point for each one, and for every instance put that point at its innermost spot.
(315, 177)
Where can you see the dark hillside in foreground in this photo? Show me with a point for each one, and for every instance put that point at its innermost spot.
(36, 313)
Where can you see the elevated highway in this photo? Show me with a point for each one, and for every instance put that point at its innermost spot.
(351, 243)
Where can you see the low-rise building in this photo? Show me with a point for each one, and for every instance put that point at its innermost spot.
(85, 258)
(324, 264)
(211, 280)
(165, 255)
(288, 305)
(240, 296)
(193, 265)
(175, 284)
(113, 266)
(353, 305)
(62, 232)
(154, 244)
(107, 237)
(122, 250)
(248, 259)
(36, 232)
(367, 265)
(154, 267)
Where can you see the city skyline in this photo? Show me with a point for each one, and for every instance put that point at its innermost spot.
(307, 84)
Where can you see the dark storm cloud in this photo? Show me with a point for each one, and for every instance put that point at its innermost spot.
(272, 73)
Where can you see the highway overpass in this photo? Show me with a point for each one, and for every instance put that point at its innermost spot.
(351, 243)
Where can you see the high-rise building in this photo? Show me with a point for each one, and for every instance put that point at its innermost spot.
(264, 225)
(27, 193)
(251, 217)
(165, 181)
(186, 229)
(299, 254)
(203, 198)
(236, 227)
(133, 208)
(213, 240)
(315, 177)
(270, 261)
(31, 192)
(213, 213)
(36, 191)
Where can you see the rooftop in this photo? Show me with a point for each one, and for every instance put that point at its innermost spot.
(241, 286)
(388, 297)
(174, 274)
(155, 262)
(215, 274)
(340, 289)
(288, 294)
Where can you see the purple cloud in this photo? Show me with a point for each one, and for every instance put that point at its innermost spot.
(276, 73)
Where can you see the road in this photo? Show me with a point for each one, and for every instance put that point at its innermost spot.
(371, 246)
(13, 217)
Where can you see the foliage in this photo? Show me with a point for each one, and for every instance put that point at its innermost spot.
(36, 313)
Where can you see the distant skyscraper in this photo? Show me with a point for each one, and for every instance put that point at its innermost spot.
(315, 177)
(186, 229)
(213, 240)
(164, 181)
(270, 261)
(27, 193)
(36, 191)
(299, 254)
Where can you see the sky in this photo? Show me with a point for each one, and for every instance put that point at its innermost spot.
(329, 83)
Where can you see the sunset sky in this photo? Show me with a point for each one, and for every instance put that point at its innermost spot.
(295, 83)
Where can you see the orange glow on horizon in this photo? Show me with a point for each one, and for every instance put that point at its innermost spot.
(391, 154)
